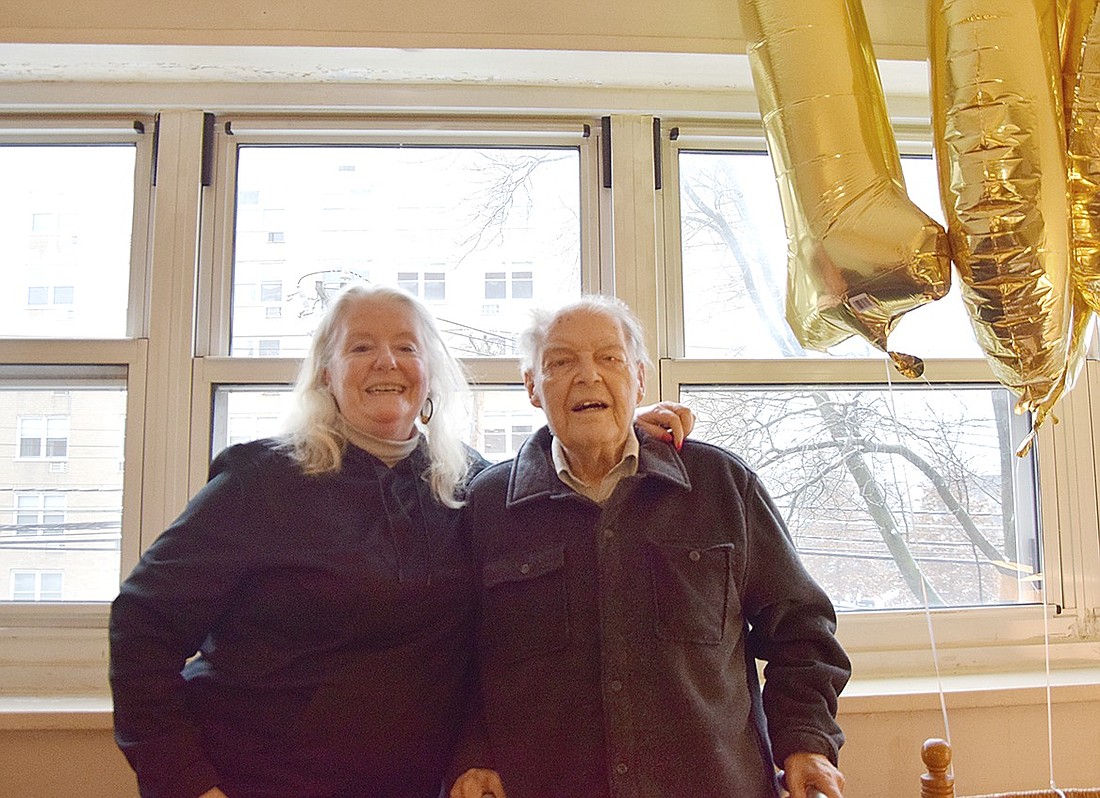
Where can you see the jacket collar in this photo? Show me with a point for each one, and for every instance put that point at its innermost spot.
(533, 475)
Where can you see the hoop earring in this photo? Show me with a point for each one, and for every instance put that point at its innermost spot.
(427, 411)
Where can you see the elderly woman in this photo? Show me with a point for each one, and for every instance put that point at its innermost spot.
(627, 591)
(322, 579)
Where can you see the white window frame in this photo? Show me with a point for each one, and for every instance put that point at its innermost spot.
(625, 250)
(895, 643)
(69, 635)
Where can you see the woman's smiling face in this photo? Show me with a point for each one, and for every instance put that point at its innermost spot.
(378, 371)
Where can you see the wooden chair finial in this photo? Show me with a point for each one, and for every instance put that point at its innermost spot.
(936, 783)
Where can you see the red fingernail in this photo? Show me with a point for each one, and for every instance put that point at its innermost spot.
(679, 446)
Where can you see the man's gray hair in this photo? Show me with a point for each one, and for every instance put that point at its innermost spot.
(533, 339)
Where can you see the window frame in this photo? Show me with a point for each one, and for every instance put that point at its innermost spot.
(68, 635)
(628, 248)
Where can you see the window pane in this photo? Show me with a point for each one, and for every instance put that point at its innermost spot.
(379, 213)
(66, 214)
(435, 286)
(409, 281)
(882, 488)
(734, 251)
(72, 508)
(523, 286)
(24, 586)
(495, 285)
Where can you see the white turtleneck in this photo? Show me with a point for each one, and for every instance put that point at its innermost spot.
(389, 452)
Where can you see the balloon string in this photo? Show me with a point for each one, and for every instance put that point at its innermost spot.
(1046, 662)
(924, 585)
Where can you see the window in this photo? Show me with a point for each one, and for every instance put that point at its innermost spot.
(522, 284)
(36, 586)
(431, 219)
(271, 291)
(431, 286)
(496, 286)
(268, 347)
(409, 281)
(900, 495)
(121, 373)
(66, 520)
(43, 437)
(66, 216)
(73, 342)
(896, 495)
(435, 286)
(39, 513)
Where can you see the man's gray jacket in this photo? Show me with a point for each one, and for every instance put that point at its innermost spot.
(618, 644)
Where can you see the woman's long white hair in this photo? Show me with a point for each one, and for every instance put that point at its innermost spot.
(313, 430)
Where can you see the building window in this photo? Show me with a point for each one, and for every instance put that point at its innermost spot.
(268, 347)
(39, 513)
(435, 286)
(429, 286)
(409, 281)
(36, 586)
(496, 285)
(523, 285)
(43, 437)
(271, 291)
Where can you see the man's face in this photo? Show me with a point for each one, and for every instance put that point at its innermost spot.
(586, 382)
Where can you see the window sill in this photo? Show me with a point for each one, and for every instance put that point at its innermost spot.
(970, 690)
(68, 712)
(862, 696)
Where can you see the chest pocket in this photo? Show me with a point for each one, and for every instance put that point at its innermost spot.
(524, 608)
(692, 593)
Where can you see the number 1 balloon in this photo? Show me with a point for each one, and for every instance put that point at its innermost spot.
(860, 253)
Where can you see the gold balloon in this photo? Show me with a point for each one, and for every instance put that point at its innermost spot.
(1000, 145)
(861, 254)
(1080, 337)
(1081, 73)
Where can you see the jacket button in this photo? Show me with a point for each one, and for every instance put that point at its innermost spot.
(694, 555)
(616, 685)
(621, 768)
(608, 533)
(525, 568)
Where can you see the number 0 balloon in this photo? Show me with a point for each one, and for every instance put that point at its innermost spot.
(1000, 144)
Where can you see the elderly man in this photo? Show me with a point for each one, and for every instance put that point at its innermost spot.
(627, 591)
